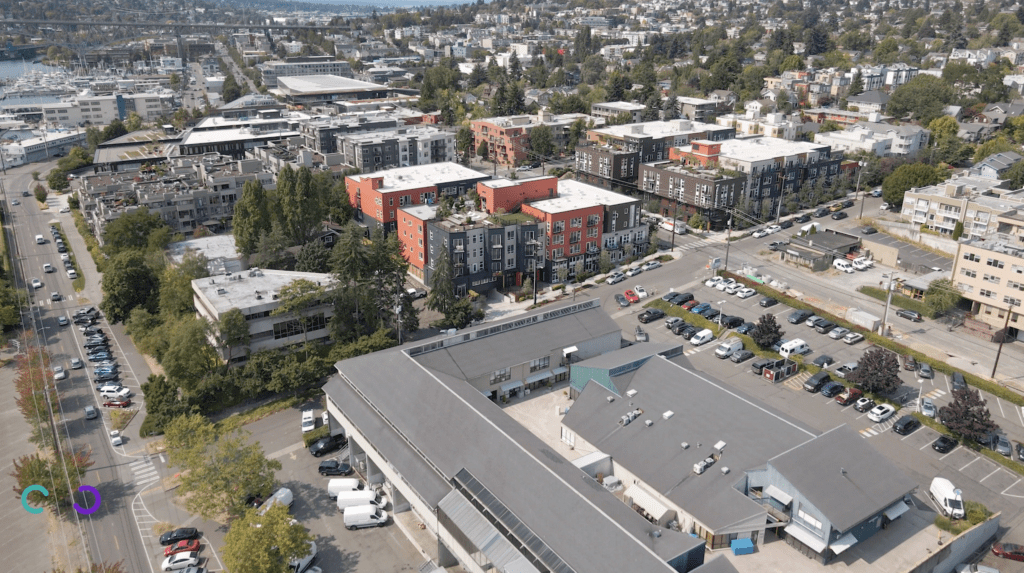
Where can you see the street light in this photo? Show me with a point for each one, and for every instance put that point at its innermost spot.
(888, 300)
(860, 172)
(1002, 338)
(719, 317)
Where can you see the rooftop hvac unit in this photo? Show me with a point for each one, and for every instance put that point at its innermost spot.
(611, 399)
(631, 393)
(725, 470)
(700, 467)
(648, 423)
(685, 445)
(222, 291)
(668, 414)
(625, 420)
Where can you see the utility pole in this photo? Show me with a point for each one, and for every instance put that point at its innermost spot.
(728, 235)
(675, 215)
(888, 301)
(1002, 339)
(860, 171)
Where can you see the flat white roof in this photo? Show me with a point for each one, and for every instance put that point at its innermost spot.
(620, 105)
(671, 128)
(232, 134)
(695, 100)
(573, 195)
(405, 132)
(764, 148)
(225, 294)
(324, 84)
(217, 246)
(419, 176)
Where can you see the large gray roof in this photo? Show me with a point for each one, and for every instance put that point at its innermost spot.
(450, 426)
(704, 413)
(843, 476)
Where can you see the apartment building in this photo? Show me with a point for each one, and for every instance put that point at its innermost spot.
(233, 142)
(697, 109)
(773, 167)
(508, 138)
(683, 191)
(102, 110)
(613, 156)
(977, 203)
(377, 197)
(402, 147)
(612, 109)
(770, 125)
(307, 66)
(255, 292)
(989, 271)
(581, 221)
(874, 101)
(881, 139)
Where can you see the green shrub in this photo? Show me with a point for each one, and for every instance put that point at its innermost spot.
(899, 300)
(976, 512)
(558, 287)
(40, 193)
(309, 437)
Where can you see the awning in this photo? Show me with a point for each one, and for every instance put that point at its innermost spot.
(806, 537)
(843, 543)
(491, 542)
(895, 510)
(779, 495)
(559, 370)
(506, 388)
(741, 546)
(569, 350)
(646, 502)
(539, 376)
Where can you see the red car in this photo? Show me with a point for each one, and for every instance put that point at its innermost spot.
(690, 304)
(631, 297)
(1009, 551)
(115, 403)
(182, 546)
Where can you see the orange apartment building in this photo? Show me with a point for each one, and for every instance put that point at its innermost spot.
(508, 195)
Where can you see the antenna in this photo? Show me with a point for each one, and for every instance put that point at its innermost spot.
(842, 471)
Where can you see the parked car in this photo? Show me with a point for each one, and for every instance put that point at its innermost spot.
(831, 389)
(905, 425)
(308, 421)
(805, 218)
(821, 212)
(838, 332)
(839, 215)
(798, 316)
(679, 327)
(909, 363)
(958, 382)
(711, 313)
(864, 404)
(621, 300)
(745, 328)
(849, 396)
(927, 407)
(634, 271)
(746, 292)
(327, 445)
(1009, 551)
(868, 230)
(334, 468)
(741, 355)
(651, 265)
(650, 315)
(688, 305)
(688, 332)
(733, 288)
(117, 403)
(944, 444)
(722, 285)
(713, 281)
(640, 291)
(881, 413)
(910, 315)
(183, 546)
(924, 370)
(672, 321)
(63, 320)
(813, 320)
(824, 326)
(180, 561)
(760, 233)
(700, 307)
(631, 296)
(615, 278)
(672, 297)
(786, 224)
(730, 321)
(767, 302)
(1002, 446)
(845, 369)
(823, 361)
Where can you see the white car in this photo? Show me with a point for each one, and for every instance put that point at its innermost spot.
(640, 291)
(860, 264)
(746, 292)
(773, 229)
(838, 332)
(308, 421)
(651, 265)
(615, 278)
(59, 373)
(853, 338)
(65, 257)
(77, 363)
(115, 440)
(47, 268)
(712, 281)
(881, 412)
(326, 418)
(180, 561)
(883, 207)
(634, 271)
(121, 393)
(760, 233)
(722, 285)
(733, 288)
(36, 283)
(867, 261)
(65, 209)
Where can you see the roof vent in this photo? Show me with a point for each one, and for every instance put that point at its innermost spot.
(668, 414)
(611, 399)
(685, 445)
(720, 446)
(725, 470)
(649, 423)
(631, 393)
(222, 291)
(259, 297)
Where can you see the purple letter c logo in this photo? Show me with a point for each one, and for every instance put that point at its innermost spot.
(94, 507)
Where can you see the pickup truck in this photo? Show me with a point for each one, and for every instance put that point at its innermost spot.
(845, 369)
(849, 396)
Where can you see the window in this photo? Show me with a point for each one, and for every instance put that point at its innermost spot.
(499, 376)
(576, 222)
(964, 287)
(992, 279)
(987, 293)
(808, 519)
(1009, 300)
(558, 227)
(972, 257)
(968, 273)
(540, 364)
(994, 263)
(1015, 285)
(558, 240)
(575, 236)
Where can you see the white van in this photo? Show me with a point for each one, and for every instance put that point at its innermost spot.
(729, 347)
(365, 516)
(40, 240)
(300, 565)
(336, 486)
(677, 227)
(797, 346)
(348, 499)
(702, 337)
(949, 498)
(282, 496)
(842, 265)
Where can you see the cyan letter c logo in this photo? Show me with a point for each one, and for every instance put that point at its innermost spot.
(24, 498)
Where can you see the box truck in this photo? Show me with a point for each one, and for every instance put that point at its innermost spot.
(949, 498)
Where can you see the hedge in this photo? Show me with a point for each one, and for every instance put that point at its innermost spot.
(877, 340)
(79, 282)
(90, 241)
(899, 300)
(309, 437)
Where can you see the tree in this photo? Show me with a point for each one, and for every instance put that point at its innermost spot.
(878, 371)
(251, 218)
(134, 122)
(993, 146)
(301, 204)
(958, 231)
(941, 295)
(132, 231)
(967, 415)
(481, 150)
(57, 179)
(233, 331)
(1016, 175)
(176, 296)
(296, 299)
(313, 257)
(515, 68)
(35, 470)
(127, 283)
(605, 264)
(541, 140)
(163, 404)
(267, 543)
(104, 567)
(114, 130)
(477, 76)
(442, 288)
(670, 110)
(189, 356)
(767, 331)
(270, 248)
(175, 80)
(697, 221)
(924, 97)
(907, 176)
(464, 140)
(856, 84)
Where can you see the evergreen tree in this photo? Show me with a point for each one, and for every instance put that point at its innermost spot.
(671, 108)
(477, 76)
(515, 69)
(856, 84)
(251, 218)
(442, 288)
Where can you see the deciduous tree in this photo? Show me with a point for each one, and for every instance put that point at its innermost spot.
(941, 296)
(967, 415)
(128, 283)
(298, 299)
(131, 231)
(907, 176)
(924, 97)
(251, 218)
(176, 284)
(267, 543)
(878, 371)
(189, 356)
(541, 141)
(233, 331)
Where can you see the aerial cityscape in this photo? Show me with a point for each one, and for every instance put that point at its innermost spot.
(711, 287)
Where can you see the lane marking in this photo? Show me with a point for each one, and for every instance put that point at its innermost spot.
(950, 453)
(1010, 486)
(990, 475)
(968, 463)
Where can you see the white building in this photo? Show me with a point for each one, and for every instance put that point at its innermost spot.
(256, 293)
(752, 123)
(882, 139)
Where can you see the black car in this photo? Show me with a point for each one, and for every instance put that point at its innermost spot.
(958, 381)
(180, 534)
(905, 425)
(798, 316)
(683, 298)
(786, 224)
(731, 321)
(848, 203)
(651, 314)
(831, 389)
(803, 218)
(84, 320)
(869, 230)
(688, 332)
(620, 299)
(711, 313)
(334, 468)
(745, 328)
(768, 301)
(823, 326)
(839, 215)
(96, 344)
(1020, 450)
(93, 331)
(823, 361)
(680, 326)
(88, 311)
(910, 315)
(822, 212)
(944, 444)
(328, 444)
(673, 298)
(106, 377)
(741, 355)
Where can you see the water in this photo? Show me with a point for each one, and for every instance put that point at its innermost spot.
(13, 69)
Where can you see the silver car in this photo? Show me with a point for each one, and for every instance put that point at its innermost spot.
(838, 332)
(1001, 445)
(927, 407)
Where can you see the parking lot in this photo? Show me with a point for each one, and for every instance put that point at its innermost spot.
(913, 257)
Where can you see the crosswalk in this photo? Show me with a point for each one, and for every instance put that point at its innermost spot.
(936, 393)
(144, 472)
(694, 245)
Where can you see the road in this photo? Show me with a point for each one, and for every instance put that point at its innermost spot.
(111, 532)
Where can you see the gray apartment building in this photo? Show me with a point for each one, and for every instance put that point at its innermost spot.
(683, 191)
(402, 147)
